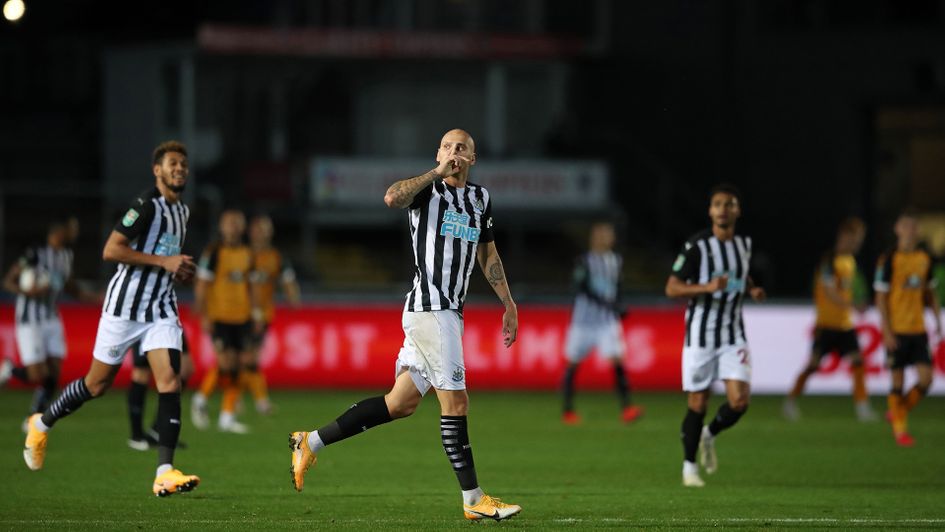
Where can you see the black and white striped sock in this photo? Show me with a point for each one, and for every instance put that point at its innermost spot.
(456, 444)
(73, 396)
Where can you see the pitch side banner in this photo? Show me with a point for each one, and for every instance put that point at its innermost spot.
(254, 40)
(522, 184)
(330, 346)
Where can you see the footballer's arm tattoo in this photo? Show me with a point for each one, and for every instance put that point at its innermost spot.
(494, 271)
(401, 194)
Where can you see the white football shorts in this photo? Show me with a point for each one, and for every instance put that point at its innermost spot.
(116, 335)
(40, 340)
(433, 350)
(606, 336)
(701, 366)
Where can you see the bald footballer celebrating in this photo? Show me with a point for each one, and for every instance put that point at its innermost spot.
(451, 229)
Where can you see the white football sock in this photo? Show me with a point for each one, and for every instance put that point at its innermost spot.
(706, 433)
(315, 442)
(472, 497)
(690, 468)
(40, 426)
(163, 468)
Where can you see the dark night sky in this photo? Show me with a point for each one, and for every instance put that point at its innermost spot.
(777, 98)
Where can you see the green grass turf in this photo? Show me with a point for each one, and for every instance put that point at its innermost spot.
(825, 471)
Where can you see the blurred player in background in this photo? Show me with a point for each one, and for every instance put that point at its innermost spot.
(834, 332)
(37, 279)
(270, 268)
(712, 272)
(73, 229)
(140, 305)
(595, 320)
(904, 286)
(141, 439)
(224, 301)
(451, 227)
(938, 276)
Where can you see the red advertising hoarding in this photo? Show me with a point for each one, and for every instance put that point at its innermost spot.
(349, 346)
(355, 346)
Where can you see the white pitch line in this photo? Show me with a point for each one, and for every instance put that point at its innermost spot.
(786, 520)
(644, 520)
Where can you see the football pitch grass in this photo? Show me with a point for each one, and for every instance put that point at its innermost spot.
(825, 471)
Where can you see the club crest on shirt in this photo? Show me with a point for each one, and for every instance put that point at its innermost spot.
(130, 218)
(478, 206)
(458, 375)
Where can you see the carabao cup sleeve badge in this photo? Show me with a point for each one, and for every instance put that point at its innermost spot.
(130, 218)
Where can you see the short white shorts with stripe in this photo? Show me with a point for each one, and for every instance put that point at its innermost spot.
(701, 366)
(433, 350)
(40, 340)
(116, 335)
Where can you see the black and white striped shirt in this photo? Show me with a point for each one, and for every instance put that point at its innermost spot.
(446, 224)
(52, 264)
(597, 278)
(715, 320)
(146, 293)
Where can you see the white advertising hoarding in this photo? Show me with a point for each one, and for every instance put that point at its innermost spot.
(521, 184)
(780, 338)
